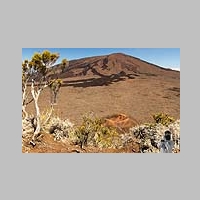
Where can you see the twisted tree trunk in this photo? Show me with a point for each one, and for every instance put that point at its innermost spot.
(24, 113)
(38, 127)
(36, 95)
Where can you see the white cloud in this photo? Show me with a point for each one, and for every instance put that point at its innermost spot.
(175, 68)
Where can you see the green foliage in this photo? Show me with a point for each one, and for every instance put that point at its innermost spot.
(64, 64)
(55, 84)
(46, 57)
(163, 118)
(38, 65)
(93, 133)
(42, 61)
(54, 57)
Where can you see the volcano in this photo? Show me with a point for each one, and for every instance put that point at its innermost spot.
(113, 65)
(114, 84)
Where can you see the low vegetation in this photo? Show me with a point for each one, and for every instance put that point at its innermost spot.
(93, 133)
(163, 118)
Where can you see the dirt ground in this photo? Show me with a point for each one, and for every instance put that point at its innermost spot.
(46, 144)
(139, 98)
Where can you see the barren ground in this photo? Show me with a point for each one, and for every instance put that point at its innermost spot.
(138, 98)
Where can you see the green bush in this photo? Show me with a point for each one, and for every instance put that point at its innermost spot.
(92, 132)
(163, 119)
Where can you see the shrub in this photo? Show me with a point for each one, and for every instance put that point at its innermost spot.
(150, 136)
(58, 127)
(163, 118)
(93, 133)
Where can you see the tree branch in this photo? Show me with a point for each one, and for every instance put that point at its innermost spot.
(32, 89)
(49, 115)
(29, 102)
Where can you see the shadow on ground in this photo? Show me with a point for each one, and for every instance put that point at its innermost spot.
(100, 81)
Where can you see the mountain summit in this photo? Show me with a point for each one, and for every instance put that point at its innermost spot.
(116, 64)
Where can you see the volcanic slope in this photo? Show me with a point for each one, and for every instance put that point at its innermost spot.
(113, 84)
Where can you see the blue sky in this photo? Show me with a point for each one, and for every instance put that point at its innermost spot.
(164, 57)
